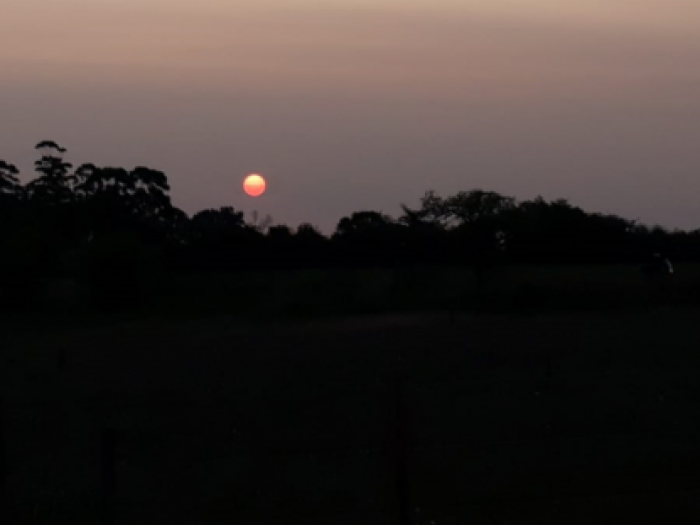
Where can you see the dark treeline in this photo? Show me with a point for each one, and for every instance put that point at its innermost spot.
(109, 227)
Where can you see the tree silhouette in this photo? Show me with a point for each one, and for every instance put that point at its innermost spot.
(369, 238)
(50, 145)
(53, 186)
(472, 226)
(309, 233)
(218, 223)
(280, 233)
(311, 247)
(85, 181)
(478, 208)
(124, 228)
(9, 183)
(558, 232)
(148, 189)
(10, 200)
(364, 225)
(220, 238)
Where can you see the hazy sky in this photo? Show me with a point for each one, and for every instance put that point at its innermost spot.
(364, 104)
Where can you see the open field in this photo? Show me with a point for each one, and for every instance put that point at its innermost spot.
(351, 291)
(577, 418)
(304, 293)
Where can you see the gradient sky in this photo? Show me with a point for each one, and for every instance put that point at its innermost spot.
(363, 104)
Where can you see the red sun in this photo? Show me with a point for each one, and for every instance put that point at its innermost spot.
(254, 185)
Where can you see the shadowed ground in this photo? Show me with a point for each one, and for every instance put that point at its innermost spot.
(584, 418)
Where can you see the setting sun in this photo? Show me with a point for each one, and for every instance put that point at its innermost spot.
(254, 185)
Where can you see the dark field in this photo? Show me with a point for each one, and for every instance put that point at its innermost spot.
(575, 418)
(504, 289)
(305, 293)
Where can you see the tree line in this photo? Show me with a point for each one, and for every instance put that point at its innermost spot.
(101, 224)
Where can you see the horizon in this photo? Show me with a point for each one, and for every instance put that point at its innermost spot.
(366, 105)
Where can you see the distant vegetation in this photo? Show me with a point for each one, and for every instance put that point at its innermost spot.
(106, 237)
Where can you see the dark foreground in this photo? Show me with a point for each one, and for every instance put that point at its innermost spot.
(585, 418)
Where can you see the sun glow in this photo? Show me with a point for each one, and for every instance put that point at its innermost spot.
(254, 185)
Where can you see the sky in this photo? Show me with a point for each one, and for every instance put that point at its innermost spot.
(348, 105)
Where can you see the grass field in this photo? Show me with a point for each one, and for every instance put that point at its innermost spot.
(536, 419)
